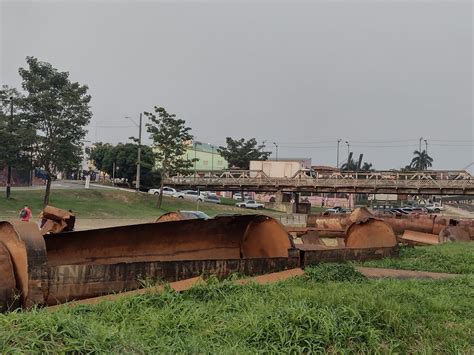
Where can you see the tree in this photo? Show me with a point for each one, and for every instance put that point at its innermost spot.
(240, 152)
(353, 165)
(170, 139)
(59, 111)
(16, 134)
(124, 156)
(421, 161)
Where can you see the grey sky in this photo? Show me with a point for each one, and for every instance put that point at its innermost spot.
(378, 74)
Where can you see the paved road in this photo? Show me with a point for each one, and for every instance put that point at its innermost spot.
(69, 184)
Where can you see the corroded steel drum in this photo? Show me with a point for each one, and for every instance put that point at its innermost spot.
(371, 233)
(55, 268)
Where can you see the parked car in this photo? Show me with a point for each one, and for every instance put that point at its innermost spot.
(167, 191)
(399, 211)
(238, 196)
(435, 208)
(191, 195)
(212, 199)
(336, 210)
(197, 214)
(250, 204)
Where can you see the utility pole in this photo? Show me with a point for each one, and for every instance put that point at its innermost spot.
(9, 168)
(195, 159)
(337, 161)
(348, 151)
(426, 146)
(139, 153)
(212, 157)
(113, 173)
(137, 183)
(276, 151)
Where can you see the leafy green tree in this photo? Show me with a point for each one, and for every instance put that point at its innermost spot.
(124, 156)
(421, 160)
(239, 152)
(59, 111)
(16, 134)
(170, 139)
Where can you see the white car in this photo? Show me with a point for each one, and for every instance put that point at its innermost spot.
(191, 195)
(167, 191)
(250, 204)
(435, 208)
(238, 196)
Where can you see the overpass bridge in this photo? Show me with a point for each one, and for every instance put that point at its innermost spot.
(447, 182)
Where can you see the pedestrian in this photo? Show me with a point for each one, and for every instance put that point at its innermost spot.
(25, 214)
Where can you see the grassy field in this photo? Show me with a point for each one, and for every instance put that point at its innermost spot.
(457, 258)
(331, 309)
(98, 203)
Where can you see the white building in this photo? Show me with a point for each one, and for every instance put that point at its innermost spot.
(281, 167)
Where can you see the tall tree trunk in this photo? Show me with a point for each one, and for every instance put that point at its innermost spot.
(160, 196)
(9, 181)
(48, 190)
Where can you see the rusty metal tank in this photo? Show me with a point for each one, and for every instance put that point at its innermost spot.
(56, 268)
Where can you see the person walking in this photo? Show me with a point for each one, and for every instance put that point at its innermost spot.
(25, 214)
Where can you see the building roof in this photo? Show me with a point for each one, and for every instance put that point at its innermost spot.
(204, 147)
(289, 159)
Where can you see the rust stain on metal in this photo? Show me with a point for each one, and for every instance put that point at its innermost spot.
(371, 233)
(55, 220)
(419, 238)
(178, 286)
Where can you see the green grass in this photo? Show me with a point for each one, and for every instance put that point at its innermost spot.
(455, 258)
(298, 315)
(95, 203)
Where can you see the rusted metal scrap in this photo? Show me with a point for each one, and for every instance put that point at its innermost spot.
(55, 268)
(55, 220)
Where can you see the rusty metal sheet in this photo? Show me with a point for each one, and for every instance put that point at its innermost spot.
(419, 238)
(7, 280)
(314, 254)
(71, 282)
(55, 220)
(371, 233)
(454, 234)
(27, 249)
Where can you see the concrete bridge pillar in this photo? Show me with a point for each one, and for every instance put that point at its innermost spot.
(279, 196)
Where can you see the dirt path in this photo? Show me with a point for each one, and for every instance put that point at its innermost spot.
(94, 223)
(378, 273)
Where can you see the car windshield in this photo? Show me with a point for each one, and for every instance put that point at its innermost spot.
(212, 197)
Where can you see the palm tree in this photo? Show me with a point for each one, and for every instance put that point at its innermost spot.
(352, 165)
(421, 160)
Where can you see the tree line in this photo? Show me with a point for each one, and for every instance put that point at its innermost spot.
(44, 125)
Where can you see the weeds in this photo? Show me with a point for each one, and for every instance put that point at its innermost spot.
(457, 258)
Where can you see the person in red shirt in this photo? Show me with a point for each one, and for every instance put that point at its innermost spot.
(25, 214)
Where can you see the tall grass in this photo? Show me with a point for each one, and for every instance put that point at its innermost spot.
(457, 258)
(298, 315)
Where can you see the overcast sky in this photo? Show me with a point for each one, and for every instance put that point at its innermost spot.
(376, 74)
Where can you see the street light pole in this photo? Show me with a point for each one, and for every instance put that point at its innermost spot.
(212, 157)
(276, 151)
(139, 153)
(426, 145)
(348, 151)
(337, 161)
(421, 138)
(137, 183)
(9, 168)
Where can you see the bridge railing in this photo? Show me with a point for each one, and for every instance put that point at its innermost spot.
(440, 179)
